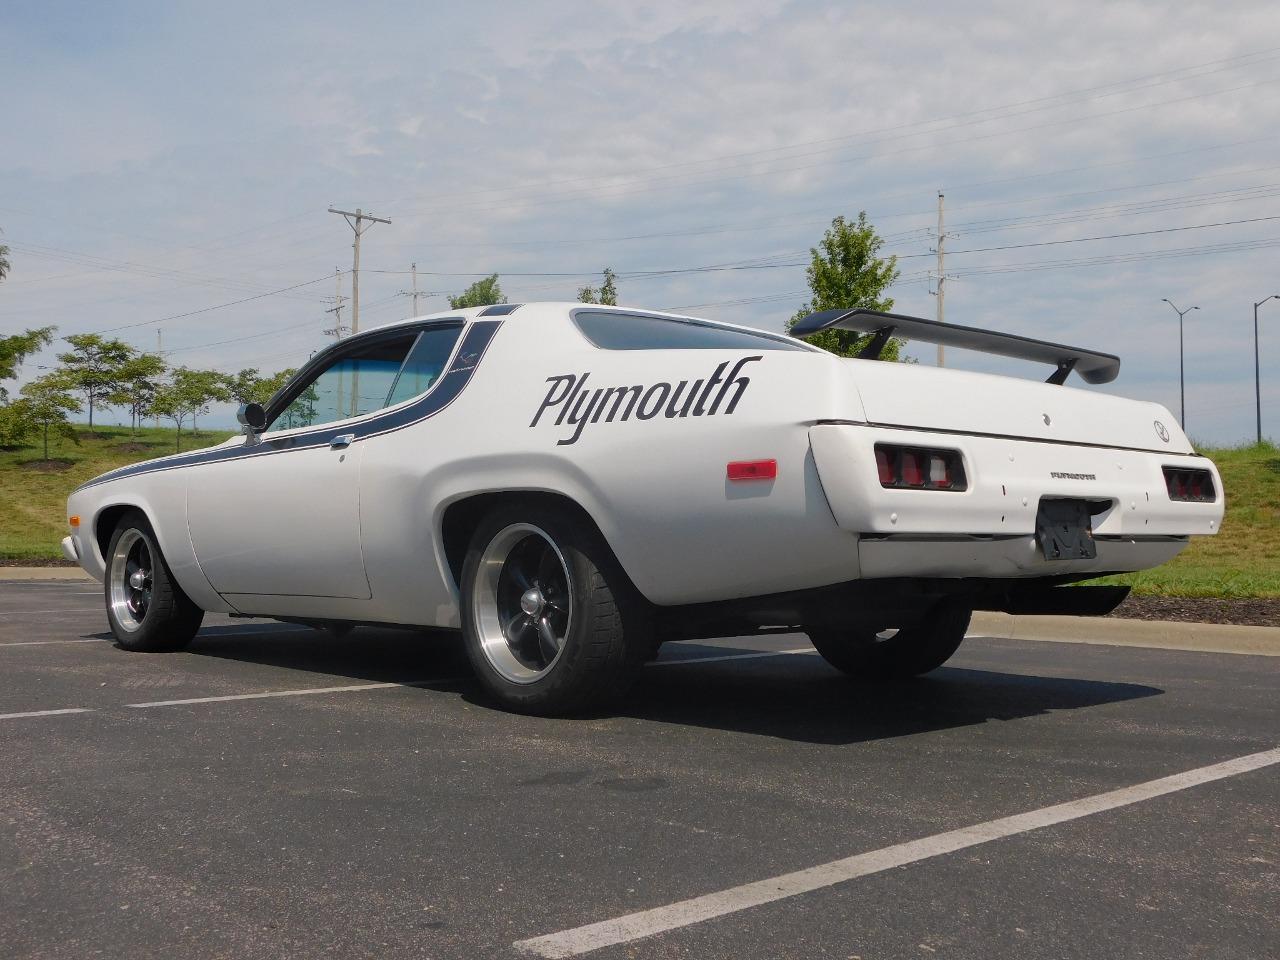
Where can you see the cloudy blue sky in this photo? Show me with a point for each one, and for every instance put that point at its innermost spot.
(165, 158)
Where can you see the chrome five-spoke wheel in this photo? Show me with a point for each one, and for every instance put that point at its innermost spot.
(131, 579)
(523, 603)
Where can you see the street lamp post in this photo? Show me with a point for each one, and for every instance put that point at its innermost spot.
(1257, 367)
(1182, 379)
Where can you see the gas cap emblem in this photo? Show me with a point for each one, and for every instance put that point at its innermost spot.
(1162, 431)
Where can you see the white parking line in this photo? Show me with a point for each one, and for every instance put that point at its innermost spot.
(730, 656)
(353, 688)
(646, 923)
(43, 713)
(45, 643)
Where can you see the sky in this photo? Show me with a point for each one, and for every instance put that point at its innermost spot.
(169, 167)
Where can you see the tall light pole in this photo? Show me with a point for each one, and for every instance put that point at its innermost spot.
(1182, 378)
(1257, 371)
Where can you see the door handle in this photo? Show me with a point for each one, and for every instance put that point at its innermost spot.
(341, 441)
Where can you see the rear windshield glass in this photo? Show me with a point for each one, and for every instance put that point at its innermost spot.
(636, 331)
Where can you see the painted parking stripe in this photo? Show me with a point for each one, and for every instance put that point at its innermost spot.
(730, 656)
(45, 643)
(646, 923)
(43, 713)
(352, 688)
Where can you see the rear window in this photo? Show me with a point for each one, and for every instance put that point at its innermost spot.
(637, 331)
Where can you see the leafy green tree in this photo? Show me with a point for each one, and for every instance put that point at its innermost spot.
(93, 367)
(137, 380)
(4, 260)
(170, 404)
(248, 387)
(482, 293)
(16, 348)
(606, 294)
(45, 402)
(189, 393)
(846, 271)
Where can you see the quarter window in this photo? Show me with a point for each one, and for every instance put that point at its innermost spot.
(637, 331)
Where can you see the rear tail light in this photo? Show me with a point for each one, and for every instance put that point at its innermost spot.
(1193, 486)
(918, 468)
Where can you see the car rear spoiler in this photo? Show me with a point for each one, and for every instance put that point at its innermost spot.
(1092, 366)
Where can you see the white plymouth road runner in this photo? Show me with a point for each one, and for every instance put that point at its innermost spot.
(572, 485)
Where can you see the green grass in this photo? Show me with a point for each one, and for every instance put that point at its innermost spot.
(1241, 561)
(33, 498)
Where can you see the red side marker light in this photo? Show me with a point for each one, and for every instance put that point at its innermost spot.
(753, 470)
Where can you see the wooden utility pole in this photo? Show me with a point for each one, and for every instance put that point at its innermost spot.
(413, 269)
(336, 309)
(942, 276)
(356, 221)
(159, 353)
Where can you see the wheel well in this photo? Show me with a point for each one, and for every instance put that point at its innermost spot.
(462, 516)
(105, 525)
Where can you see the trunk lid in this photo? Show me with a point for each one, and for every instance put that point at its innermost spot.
(929, 398)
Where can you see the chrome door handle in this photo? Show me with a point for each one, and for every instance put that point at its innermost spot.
(343, 440)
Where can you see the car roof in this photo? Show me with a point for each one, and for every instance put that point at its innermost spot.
(565, 306)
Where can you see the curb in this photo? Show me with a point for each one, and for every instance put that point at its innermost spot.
(43, 573)
(1114, 632)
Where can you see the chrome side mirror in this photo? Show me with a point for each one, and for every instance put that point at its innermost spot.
(252, 419)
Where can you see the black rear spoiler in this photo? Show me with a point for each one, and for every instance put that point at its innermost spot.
(1092, 366)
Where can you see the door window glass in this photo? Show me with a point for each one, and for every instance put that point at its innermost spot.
(356, 384)
(425, 363)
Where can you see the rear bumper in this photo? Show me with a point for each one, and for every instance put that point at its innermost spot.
(988, 529)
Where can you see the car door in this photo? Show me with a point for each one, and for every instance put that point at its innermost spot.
(281, 516)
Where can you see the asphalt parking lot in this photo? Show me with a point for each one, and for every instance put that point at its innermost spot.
(277, 792)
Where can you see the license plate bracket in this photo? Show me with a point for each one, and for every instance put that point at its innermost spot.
(1063, 530)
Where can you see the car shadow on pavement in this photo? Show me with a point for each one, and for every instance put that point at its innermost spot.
(800, 698)
(432, 659)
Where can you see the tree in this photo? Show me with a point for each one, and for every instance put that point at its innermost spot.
(846, 272)
(247, 387)
(4, 260)
(93, 367)
(482, 293)
(200, 388)
(607, 294)
(14, 349)
(169, 403)
(45, 403)
(137, 380)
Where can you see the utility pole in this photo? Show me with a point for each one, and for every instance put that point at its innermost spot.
(356, 221)
(1182, 380)
(941, 279)
(413, 268)
(1257, 370)
(336, 309)
(159, 353)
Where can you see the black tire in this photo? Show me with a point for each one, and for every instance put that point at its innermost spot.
(156, 616)
(911, 651)
(606, 636)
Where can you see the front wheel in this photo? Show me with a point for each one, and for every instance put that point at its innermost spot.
(146, 608)
(551, 623)
(895, 654)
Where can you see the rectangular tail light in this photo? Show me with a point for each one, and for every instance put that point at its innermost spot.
(919, 468)
(1190, 485)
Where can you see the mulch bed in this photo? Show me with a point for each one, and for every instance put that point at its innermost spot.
(1257, 612)
(53, 465)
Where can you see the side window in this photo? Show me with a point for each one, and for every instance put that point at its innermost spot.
(636, 331)
(355, 384)
(425, 363)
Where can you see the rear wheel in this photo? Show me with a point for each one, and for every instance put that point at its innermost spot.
(896, 654)
(146, 608)
(551, 623)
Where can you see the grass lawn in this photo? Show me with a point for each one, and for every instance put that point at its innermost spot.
(33, 492)
(1241, 561)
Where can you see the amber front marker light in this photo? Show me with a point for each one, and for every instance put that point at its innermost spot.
(74, 521)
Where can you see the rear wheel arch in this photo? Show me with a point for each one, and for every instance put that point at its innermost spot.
(461, 517)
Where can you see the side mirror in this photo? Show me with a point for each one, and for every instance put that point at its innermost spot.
(252, 419)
